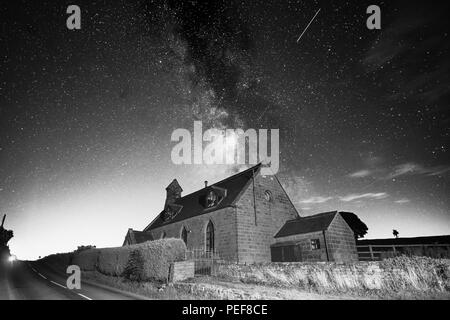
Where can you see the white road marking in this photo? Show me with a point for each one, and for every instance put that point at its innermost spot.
(83, 296)
(56, 283)
(60, 285)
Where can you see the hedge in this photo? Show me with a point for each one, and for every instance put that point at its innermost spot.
(112, 261)
(156, 257)
(58, 261)
(87, 259)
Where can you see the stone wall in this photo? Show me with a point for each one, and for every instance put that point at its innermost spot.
(341, 241)
(181, 270)
(224, 222)
(304, 241)
(255, 231)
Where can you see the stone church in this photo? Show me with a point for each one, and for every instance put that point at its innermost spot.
(249, 218)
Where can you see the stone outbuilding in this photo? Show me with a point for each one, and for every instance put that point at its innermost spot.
(321, 237)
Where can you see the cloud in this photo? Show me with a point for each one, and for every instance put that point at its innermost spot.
(296, 185)
(387, 46)
(404, 169)
(348, 198)
(438, 171)
(411, 168)
(402, 201)
(360, 174)
(392, 49)
(314, 200)
(373, 196)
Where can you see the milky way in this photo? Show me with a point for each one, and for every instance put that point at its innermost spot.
(86, 116)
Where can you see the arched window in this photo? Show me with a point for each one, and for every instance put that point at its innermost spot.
(184, 235)
(210, 237)
(163, 235)
(268, 195)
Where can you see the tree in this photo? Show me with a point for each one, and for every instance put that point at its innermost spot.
(134, 269)
(395, 233)
(359, 228)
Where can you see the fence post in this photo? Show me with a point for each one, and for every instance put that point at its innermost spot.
(371, 253)
(213, 271)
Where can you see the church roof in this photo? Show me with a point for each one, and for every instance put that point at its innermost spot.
(139, 236)
(193, 204)
(317, 222)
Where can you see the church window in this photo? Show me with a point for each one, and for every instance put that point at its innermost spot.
(210, 237)
(268, 195)
(184, 235)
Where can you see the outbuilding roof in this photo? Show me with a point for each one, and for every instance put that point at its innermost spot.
(318, 222)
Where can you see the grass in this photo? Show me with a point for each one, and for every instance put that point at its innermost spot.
(396, 278)
(400, 277)
(151, 290)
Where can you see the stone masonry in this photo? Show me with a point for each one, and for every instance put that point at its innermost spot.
(252, 210)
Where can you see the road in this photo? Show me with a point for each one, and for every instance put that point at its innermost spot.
(32, 281)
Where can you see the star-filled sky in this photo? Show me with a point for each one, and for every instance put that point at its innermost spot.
(86, 115)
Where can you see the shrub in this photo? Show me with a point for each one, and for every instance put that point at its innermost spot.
(134, 269)
(87, 260)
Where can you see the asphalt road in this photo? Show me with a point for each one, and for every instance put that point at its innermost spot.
(31, 281)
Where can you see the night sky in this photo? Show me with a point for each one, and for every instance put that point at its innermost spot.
(86, 115)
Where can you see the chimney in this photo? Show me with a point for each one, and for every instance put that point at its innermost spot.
(206, 184)
(173, 192)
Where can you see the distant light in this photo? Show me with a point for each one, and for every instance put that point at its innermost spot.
(12, 258)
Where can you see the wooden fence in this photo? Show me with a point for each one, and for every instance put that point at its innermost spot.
(371, 252)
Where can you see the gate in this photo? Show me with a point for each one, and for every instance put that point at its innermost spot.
(205, 262)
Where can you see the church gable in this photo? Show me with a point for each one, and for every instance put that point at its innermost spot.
(265, 194)
(135, 237)
(262, 209)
